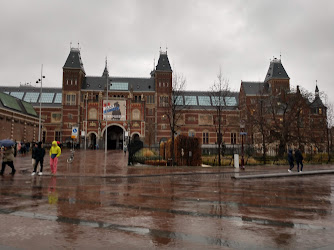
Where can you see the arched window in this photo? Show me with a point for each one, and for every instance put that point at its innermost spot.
(191, 133)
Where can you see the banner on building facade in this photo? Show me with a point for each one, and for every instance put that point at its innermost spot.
(114, 110)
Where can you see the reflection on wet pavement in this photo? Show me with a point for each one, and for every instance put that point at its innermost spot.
(100, 202)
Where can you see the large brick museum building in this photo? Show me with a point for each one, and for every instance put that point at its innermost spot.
(136, 107)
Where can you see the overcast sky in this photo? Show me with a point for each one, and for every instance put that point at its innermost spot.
(201, 36)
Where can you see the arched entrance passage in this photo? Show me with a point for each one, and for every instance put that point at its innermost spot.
(115, 137)
(92, 140)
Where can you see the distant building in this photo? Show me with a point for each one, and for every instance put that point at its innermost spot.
(18, 119)
(136, 106)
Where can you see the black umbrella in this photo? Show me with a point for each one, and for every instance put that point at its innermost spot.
(7, 143)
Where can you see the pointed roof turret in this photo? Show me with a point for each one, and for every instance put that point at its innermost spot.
(163, 63)
(74, 60)
(316, 88)
(276, 70)
(106, 72)
(317, 103)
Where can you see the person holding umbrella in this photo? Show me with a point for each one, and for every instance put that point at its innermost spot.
(8, 156)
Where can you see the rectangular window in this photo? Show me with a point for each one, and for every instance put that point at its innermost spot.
(233, 138)
(47, 97)
(57, 136)
(190, 100)
(204, 100)
(119, 86)
(150, 99)
(178, 100)
(163, 101)
(70, 99)
(58, 98)
(205, 138)
(43, 136)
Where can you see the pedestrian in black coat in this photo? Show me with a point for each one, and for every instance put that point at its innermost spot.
(299, 159)
(290, 160)
(33, 154)
(39, 154)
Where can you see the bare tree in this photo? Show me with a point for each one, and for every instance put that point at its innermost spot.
(219, 95)
(329, 123)
(286, 110)
(150, 132)
(257, 116)
(174, 107)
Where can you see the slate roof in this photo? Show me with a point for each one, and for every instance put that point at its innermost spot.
(276, 71)
(254, 88)
(317, 103)
(98, 83)
(73, 60)
(163, 63)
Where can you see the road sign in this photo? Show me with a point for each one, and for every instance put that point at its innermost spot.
(243, 133)
(75, 131)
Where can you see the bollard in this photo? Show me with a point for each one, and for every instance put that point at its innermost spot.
(236, 160)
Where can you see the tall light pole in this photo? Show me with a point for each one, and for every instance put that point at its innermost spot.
(40, 104)
(86, 97)
(106, 135)
(242, 133)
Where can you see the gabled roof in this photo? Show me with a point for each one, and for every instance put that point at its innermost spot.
(74, 60)
(163, 63)
(276, 70)
(254, 88)
(98, 83)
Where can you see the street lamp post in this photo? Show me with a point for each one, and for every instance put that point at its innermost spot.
(40, 104)
(106, 134)
(86, 121)
(242, 133)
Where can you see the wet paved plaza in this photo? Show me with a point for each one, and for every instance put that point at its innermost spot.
(99, 202)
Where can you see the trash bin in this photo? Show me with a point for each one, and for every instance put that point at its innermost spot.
(236, 160)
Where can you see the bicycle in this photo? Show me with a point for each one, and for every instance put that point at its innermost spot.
(71, 158)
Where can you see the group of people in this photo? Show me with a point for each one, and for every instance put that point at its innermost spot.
(299, 160)
(38, 153)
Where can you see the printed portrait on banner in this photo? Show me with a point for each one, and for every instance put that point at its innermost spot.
(114, 110)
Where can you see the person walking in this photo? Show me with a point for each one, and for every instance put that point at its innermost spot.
(299, 160)
(55, 152)
(290, 160)
(8, 159)
(33, 154)
(39, 154)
